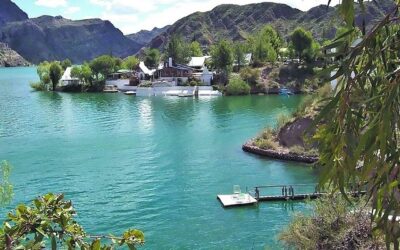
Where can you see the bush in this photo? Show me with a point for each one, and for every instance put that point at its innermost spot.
(306, 103)
(268, 133)
(145, 85)
(334, 224)
(250, 75)
(38, 86)
(237, 86)
(267, 144)
(325, 91)
(282, 121)
(274, 85)
(304, 151)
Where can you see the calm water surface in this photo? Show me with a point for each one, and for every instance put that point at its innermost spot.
(155, 164)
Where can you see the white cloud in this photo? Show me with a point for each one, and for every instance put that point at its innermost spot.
(131, 16)
(51, 3)
(72, 10)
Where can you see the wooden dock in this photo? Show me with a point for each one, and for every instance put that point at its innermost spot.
(276, 193)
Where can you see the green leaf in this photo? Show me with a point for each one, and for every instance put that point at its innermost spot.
(96, 244)
(39, 230)
(53, 243)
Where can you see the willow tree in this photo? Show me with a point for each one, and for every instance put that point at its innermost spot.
(360, 136)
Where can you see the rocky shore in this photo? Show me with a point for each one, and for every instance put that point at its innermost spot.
(278, 154)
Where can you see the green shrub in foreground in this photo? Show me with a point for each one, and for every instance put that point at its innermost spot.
(237, 86)
(333, 224)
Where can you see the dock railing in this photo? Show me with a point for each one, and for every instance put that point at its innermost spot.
(286, 191)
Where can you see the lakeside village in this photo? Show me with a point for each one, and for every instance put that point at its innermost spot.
(263, 64)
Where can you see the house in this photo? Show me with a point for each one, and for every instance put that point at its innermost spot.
(67, 79)
(172, 72)
(198, 63)
(143, 72)
(201, 71)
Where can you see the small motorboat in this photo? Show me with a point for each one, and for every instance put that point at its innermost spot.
(130, 92)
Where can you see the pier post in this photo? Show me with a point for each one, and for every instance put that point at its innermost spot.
(257, 194)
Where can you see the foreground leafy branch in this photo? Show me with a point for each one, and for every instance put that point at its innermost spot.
(360, 136)
(6, 188)
(50, 221)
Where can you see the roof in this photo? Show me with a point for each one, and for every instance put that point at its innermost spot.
(198, 61)
(146, 70)
(67, 75)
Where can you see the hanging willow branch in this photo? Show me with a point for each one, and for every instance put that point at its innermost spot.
(359, 138)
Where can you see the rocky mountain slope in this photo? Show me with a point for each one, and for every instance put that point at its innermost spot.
(57, 38)
(10, 58)
(144, 37)
(10, 12)
(237, 22)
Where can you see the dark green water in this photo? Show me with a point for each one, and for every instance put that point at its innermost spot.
(155, 164)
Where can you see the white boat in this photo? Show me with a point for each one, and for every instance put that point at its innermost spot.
(130, 93)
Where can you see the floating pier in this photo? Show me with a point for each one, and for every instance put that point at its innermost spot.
(235, 200)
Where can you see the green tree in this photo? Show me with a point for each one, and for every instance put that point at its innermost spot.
(130, 62)
(222, 58)
(86, 74)
(360, 135)
(265, 45)
(152, 57)
(195, 49)
(6, 188)
(263, 52)
(103, 66)
(55, 74)
(65, 64)
(271, 36)
(49, 221)
(43, 71)
(178, 50)
(239, 54)
(302, 41)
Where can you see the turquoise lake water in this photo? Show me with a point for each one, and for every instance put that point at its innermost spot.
(155, 164)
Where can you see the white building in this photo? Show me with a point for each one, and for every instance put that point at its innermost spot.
(67, 79)
(201, 71)
(143, 72)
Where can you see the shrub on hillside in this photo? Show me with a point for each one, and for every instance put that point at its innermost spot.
(273, 85)
(250, 75)
(237, 86)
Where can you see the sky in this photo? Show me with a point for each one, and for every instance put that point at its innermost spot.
(131, 16)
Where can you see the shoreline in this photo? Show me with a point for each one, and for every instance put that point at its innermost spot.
(280, 155)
